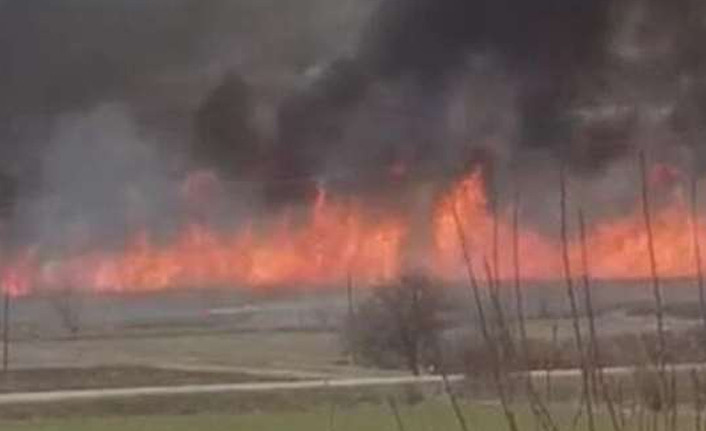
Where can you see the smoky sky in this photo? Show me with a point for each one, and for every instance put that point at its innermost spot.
(416, 53)
(370, 97)
(593, 82)
(157, 55)
(100, 99)
(63, 55)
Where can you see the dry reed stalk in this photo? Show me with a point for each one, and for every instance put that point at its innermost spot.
(673, 412)
(496, 228)
(620, 403)
(654, 271)
(353, 325)
(697, 250)
(594, 360)
(517, 279)
(332, 417)
(491, 344)
(6, 333)
(396, 413)
(595, 367)
(640, 416)
(496, 279)
(698, 402)
(539, 409)
(660, 359)
(458, 413)
(502, 329)
(552, 360)
(573, 303)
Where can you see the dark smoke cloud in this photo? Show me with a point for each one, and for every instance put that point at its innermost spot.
(64, 59)
(417, 52)
(577, 94)
(160, 61)
(224, 128)
(418, 95)
(65, 55)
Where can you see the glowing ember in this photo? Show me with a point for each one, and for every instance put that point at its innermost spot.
(342, 237)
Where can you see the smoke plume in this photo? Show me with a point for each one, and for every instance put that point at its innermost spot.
(105, 103)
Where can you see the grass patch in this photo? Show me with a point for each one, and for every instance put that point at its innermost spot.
(431, 415)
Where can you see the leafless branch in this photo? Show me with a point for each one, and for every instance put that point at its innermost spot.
(491, 344)
(587, 391)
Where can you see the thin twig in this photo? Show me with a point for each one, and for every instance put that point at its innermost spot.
(539, 409)
(396, 413)
(594, 355)
(573, 303)
(656, 283)
(454, 401)
(352, 324)
(490, 342)
(673, 394)
(553, 359)
(698, 403)
(332, 417)
(660, 359)
(496, 227)
(6, 332)
(494, 281)
(697, 250)
(503, 332)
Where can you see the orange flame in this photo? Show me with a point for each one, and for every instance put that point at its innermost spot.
(342, 237)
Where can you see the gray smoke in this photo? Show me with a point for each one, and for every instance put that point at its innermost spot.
(584, 83)
(107, 105)
(97, 130)
(101, 180)
(406, 74)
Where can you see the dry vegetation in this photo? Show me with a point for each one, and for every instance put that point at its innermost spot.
(640, 381)
(551, 370)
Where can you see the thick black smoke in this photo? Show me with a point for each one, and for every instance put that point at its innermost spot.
(139, 70)
(224, 128)
(65, 55)
(425, 90)
(547, 46)
(569, 72)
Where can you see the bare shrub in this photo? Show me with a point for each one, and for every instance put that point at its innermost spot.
(399, 325)
(67, 305)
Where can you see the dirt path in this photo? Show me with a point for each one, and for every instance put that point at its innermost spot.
(261, 372)
(614, 371)
(103, 394)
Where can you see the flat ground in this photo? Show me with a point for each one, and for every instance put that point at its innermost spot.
(205, 331)
(54, 379)
(298, 352)
(296, 335)
(219, 337)
(434, 415)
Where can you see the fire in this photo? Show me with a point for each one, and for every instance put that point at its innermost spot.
(339, 237)
(539, 255)
(617, 249)
(336, 240)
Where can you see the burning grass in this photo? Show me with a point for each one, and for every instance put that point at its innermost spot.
(649, 244)
(339, 236)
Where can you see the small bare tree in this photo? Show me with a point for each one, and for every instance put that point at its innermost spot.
(400, 325)
(67, 305)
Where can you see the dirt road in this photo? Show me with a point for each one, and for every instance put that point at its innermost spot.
(102, 394)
